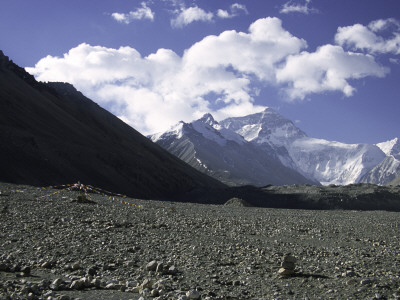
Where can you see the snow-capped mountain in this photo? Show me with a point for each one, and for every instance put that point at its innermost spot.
(391, 147)
(225, 154)
(265, 127)
(389, 168)
(246, 149)
(324, 161)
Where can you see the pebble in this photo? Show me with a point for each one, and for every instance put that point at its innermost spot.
(366, 282)
(151, 266)
(193, 294)
(147, 283)
(172, 270)
(160, 267)
(351, 281)
(349, 273)
(56, 284)
(76, 266)
(47, 265)
(77, 285)
(26, 270)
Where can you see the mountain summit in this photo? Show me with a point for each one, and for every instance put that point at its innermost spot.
(265, 127)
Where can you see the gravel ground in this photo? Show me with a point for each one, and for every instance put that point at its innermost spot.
(54, 247)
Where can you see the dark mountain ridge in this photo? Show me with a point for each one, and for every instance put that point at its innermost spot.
(52, 134)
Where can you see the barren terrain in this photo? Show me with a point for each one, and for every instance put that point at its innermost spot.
(54, 247)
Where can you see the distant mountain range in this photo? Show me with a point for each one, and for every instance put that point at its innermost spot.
(267, 148)
(51, 134)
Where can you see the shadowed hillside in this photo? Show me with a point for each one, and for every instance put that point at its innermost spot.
(51, 134)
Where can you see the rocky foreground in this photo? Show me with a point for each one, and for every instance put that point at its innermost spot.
(66, 245)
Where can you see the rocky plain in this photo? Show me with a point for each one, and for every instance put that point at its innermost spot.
(64, 244)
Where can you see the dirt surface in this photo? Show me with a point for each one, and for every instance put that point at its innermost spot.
(55, 247)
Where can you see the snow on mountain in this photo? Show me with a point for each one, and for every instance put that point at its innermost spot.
(321, 160)
(224, 154)
(283, 145)
(334, 162)
(391, 147)
(389, 168)
(265, 127)
(176, 130)
(384, 172)
(211, 130)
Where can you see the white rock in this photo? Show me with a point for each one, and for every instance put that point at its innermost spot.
(151, 266)
(285, 272)
(193, 294)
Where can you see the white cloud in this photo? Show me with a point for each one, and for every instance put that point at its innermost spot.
(328, 69)
(291, 7)
(394, 61)
(381, 24)
(141, 13)
(266, 44)
(223, 14)
(235, 10)
(190, 15)
(152, 93)
(360, 37)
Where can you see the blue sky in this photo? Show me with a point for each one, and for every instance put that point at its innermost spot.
(333, 67)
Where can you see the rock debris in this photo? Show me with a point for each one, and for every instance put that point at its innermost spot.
(53, 248)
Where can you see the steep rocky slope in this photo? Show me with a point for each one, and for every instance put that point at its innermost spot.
(51, 134)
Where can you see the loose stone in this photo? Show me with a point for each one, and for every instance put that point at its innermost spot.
(77, 285)
(151, 266)
(288, 265)
(172, 270)
(193, 294)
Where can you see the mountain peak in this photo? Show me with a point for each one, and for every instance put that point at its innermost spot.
(208, 119)
(267, 126)
(391, 147)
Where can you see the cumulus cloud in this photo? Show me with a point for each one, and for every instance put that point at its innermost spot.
(328, 69)
(141, 13)
(190, 15)
(370, 38)
(266, 44)
(292, 7)
(235, 10)
(221, 74)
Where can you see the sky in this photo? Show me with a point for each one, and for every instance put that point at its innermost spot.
(332, 67)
